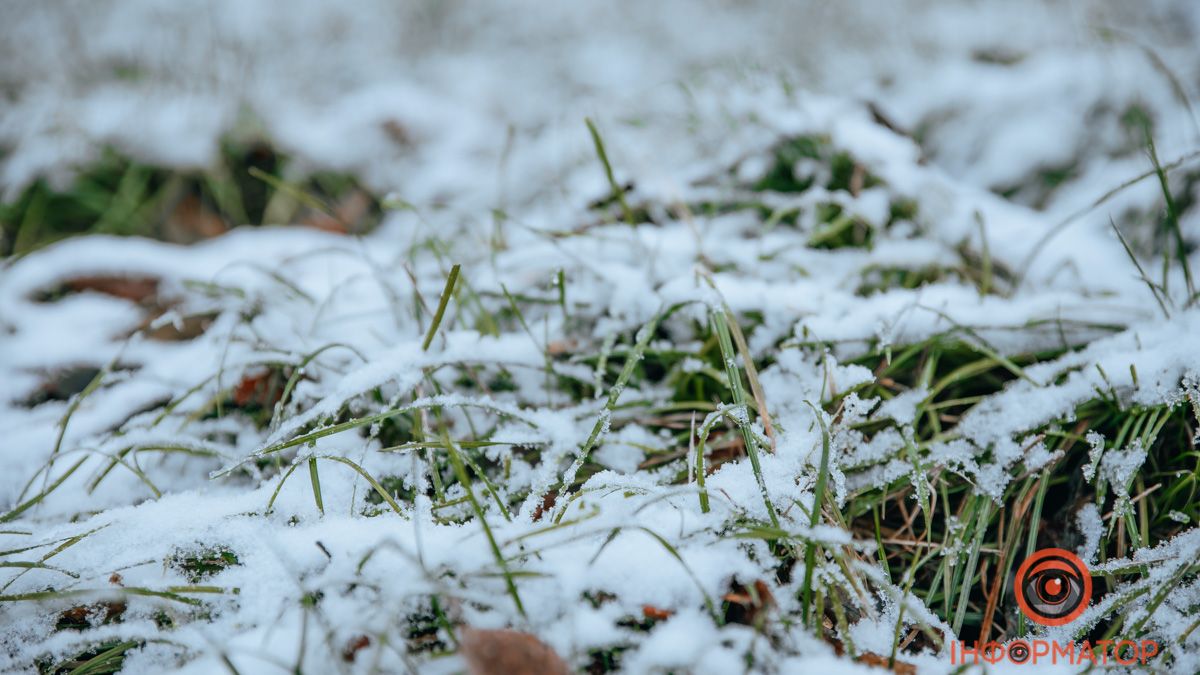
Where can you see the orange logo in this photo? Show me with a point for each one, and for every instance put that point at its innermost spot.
(1053, 587)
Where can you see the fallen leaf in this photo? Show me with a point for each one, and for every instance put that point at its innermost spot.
(875, 660)
(325, 223)
(83, 617)
(186, 328)
(899, 667)
(257, 388)
(353, 646)
(346, 216)
(399, 134)
(192, 221)
(135, 289)
(560, 347)
(656, 614)
(748, 605)
(508, 652)
(544, 507)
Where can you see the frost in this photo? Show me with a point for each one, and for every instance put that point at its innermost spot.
(1091, 527)
(903, 407)
(1096, 444)
(1118, 468)
(739, 414)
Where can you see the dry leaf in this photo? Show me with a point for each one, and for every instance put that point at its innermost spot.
(656, 614)
(353, 646)
(544, 507)
(257, 388)
(135, 289)
(324, 222)
(560, 347)
(900, 667)
(748, 605)
(508, 652)
(187, 328)
(83, 617)
(192, 221)
(399, 133)
(875, 660)
(346, 216)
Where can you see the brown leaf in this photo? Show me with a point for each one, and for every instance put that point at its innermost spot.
(187, 328)
(899, 667)
(83, 617)
(508, 652)
(258, 388)
(748, 605)
(544, 507)
(353, 208)
(560, 347)
(75, 617)
(727, 449)
(353, 646)
(245, 390)
(135, 289)
(346, 217)
(872, 659)
(325, 223)
(399, 134)
(656, 614)
(192, 221)
(857, 178)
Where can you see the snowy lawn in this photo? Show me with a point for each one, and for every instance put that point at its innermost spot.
(649, 334)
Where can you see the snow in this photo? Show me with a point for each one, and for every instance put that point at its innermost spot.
(1091, 526)
(491, 105)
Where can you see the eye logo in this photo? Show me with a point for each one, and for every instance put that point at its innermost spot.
(1053, 587)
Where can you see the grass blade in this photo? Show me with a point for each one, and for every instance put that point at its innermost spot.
(1141, 272)
(465, 480)
(810, 549)
(316, 484)
(602, 422)
(33, 501)
(441, 308)
(618, 192)
(720, 322)
(1172, 220)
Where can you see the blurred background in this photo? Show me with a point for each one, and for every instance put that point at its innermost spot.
(172, 119)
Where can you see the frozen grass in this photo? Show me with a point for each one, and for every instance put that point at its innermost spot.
(809, 402)
(892, 480)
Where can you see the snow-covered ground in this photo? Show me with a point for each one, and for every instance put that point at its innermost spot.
(1004, 123)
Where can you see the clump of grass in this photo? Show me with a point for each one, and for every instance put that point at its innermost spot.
(196, 566)
(981, 540)
(618, 192)
(791, 156)
(101, 659)
(249, 183)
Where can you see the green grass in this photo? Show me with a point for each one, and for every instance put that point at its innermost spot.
(249, 183)
(200, 565)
